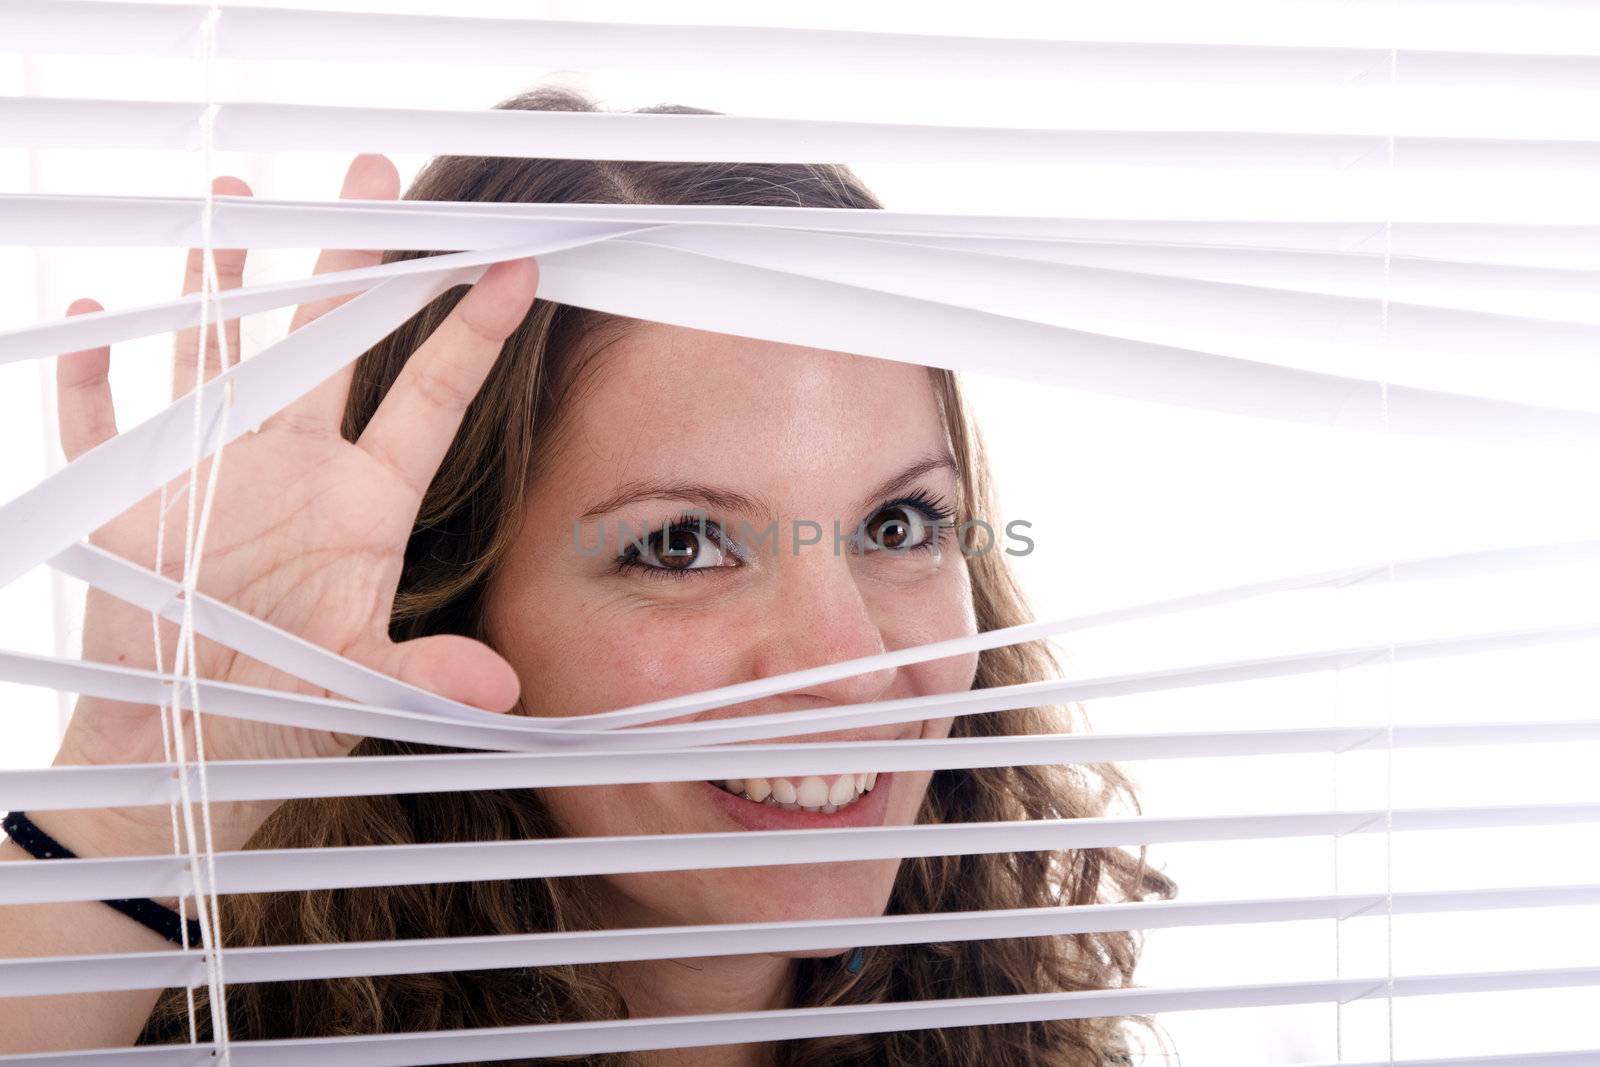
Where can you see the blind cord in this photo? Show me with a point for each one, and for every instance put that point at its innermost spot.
(168, 752)
(202, 853)
(1390, 501)
(1334, 840)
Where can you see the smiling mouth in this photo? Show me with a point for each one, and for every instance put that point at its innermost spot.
(823, 795)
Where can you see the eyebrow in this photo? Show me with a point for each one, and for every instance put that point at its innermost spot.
(716, 498)
(903, 481)
(709, 497)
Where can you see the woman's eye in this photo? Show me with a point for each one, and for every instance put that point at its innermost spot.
(897, 529)
(681, 548)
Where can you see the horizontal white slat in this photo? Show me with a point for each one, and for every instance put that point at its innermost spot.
(53, 221)
(280, 963)
(108, 327)
(283, 708)
(1422, 345)
(1487, 292)
(1411, 282)
(1459, 565)
(1544, 292)
(266, 871)
(591, 1038)
(660, 284)
(254, 637)
(1285, 42)
(1569, 244)
(127, 785)
(1300, 107)
(753, 727)
(47, 122)
(517, 733)
(1570, 1058)
(1211, 366)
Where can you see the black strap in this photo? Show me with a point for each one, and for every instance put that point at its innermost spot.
(142, 910)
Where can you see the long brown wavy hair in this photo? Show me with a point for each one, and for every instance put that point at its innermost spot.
(465, 526)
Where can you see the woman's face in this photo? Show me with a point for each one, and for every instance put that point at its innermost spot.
(748, 434)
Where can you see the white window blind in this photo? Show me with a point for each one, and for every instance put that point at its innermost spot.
(1309, 287)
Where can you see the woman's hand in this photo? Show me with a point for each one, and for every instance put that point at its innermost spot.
(308, 532)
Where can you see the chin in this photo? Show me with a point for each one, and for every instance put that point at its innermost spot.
(816, 892)
(796, 893)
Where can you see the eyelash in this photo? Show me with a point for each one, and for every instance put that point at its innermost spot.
(933, 509)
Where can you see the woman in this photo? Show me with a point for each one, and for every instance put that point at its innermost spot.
(435, 514)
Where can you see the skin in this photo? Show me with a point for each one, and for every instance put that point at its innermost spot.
(814, 436)
(817, 434)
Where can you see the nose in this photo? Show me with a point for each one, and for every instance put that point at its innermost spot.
(820, 616)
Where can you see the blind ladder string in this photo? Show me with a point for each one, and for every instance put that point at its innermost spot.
(1389, 501)
(1339, 700)
(185, 667)
(171, 726)
(211, 291)
(168, 753)
(172, 705)
(172, 748)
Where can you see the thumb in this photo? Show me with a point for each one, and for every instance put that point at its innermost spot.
(456, 667)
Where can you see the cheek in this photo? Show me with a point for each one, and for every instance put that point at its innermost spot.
(934, 606)
(621, 810)
(949, 614)
(618, 659)
(952, 675)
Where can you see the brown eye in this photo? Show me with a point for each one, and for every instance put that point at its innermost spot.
(897, 529)
(681, 548)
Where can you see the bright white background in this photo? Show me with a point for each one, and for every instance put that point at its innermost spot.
(1128, 502)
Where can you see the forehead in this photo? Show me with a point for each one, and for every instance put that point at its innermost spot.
(666, 399)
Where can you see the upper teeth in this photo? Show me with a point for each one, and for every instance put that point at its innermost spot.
(812, 793)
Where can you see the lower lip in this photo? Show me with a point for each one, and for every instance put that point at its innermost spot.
(868, 811)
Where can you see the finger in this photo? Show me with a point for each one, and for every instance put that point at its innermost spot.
(230, 275)
(455, 667)
(418, 419)
(83, 394)
(370, 177)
